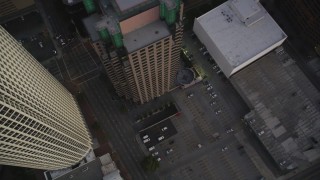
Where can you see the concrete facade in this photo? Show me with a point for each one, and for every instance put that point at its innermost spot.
(41, 125)
(147, 65)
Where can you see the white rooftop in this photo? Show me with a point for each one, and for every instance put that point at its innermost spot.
(237, 33)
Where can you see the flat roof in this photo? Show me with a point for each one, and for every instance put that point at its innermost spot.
(236, 39)
(146, 35)
(285, 107)
(125, 4)
(90, 24)
(90, 170)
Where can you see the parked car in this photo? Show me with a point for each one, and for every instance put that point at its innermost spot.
(169, 151)
(40, 44)
(158, 159)
(155, 154)
(146, 140)
(224, 148)
(164, 128)
(145, 136)
(190, 95)
(160, 138)
(151, 148)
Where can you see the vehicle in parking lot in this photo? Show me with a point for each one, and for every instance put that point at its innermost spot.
(218, 111)
(164, 128)
(203, 49)
(145, 136)
(229, 130)
(260, 133)
(155, 153)
(190, 95)
(224, 148)
(169, 150)
(151, 148)
(213, 95)
(160, 138)
(146, 140)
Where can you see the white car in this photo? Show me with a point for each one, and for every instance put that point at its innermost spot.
(41, 44)
(214, 67)
(219, 71)
(160, 138)
(158, 159)
(213, 95)
(224, 149)
(218, 111)
(229, 130)
(164, 128)
(199, 146)
(212, 103)
(209, 88)
(154, 154)
(190, 95)
(169, 150)
(260, 133)
(145, 136)
(205, 53)
(151, 148)
(146, 140)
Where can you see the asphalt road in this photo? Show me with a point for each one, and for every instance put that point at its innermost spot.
(118, 127)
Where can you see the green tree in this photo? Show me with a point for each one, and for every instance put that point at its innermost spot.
(150, 164)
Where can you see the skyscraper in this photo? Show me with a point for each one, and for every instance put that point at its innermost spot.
(41, 125)
(139, 44)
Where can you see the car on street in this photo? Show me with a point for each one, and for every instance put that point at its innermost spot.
(164, 128)
(145, 136)
(219, 71)
(155, 154)
(40, 44)
(209, 88)
(151, 148)
(224, 148)
(214, 67)
(169, 151)
(54, 52)
(190, 95)
(158, 159)
(146, 140)
(160, 138)
(199, 146)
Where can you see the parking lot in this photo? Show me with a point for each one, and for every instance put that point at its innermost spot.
(158, 133)
(205, 146)
(31, 32)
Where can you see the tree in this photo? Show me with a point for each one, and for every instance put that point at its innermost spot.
(150, 164)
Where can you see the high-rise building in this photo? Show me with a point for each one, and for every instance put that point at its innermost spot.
(139, 44)
(41, 125)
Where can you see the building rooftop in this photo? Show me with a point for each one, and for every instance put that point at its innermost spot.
(125, 4)
(146, 35)
(90, 170)
(90, 24)
(285, 109)
(242, 30)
